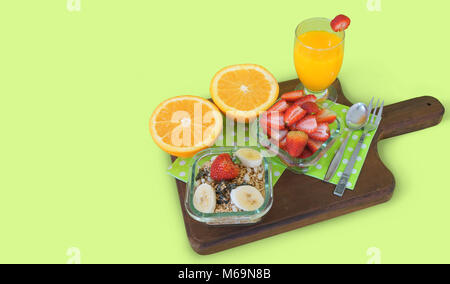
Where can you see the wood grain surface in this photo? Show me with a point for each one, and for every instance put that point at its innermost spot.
(301, 200)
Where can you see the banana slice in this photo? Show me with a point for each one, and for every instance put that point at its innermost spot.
(249, 157)
(205, 198)
(246, 197)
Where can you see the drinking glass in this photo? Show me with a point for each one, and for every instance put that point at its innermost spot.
(318, 57)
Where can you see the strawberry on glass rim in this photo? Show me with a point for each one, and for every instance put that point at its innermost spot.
(340, 23)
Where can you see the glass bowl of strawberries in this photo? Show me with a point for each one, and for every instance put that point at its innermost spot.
(299, 129)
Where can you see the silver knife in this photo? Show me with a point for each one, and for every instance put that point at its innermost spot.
(340, 188)
(336, 160)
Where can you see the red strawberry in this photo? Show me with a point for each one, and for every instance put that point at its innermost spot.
(322, 133)
(307, 124)
(280, 106)
(283, 143)
(306, 154)
(293, 114)
(310, 107)
(340, 23)
(292, 96)
(314, 145)
(223, 168)
(277, 135)
(274, 134)
(273, 120)
(304, 99)
(296, 142)
(291, 127)
(265, 129)
(326, 115)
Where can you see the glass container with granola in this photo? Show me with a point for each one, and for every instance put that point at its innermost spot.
(229, 185)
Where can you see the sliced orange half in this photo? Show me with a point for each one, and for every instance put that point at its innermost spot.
(244, 91)
(184, 125)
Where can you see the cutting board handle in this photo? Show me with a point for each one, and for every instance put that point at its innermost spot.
(411, 115)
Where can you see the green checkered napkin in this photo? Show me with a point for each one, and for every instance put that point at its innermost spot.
(232, 135)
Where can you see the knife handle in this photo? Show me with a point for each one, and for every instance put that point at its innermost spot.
(340, 188)
(336, 160)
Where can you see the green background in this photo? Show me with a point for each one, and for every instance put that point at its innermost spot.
(78, 167)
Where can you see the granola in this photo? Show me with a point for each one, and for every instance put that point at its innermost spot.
(247, 176)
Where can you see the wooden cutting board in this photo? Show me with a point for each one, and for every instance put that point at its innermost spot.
(301, 200)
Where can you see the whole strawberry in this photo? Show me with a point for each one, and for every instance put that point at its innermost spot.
(296, 142)
(223, 168)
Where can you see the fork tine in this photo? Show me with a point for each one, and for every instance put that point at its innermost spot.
(369, 109)
(372, 120)
(379, 114)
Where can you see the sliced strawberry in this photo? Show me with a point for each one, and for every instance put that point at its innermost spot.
(305, 99)
(307, 124)
(265, 129)
(314, 145)
(276, 120)
(283, 143)
(340, 23)
(306, 154)
(293, 114)
(277, 135)
(280, 106)
(322, 133)
(274, 134)
(296, 142)
(292, 96)
(292, 127)
(273, 120)
(326, 115)
(310, 107)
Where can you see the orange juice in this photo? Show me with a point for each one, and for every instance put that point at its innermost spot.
(318, 57)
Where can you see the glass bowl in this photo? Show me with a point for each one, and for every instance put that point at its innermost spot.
(298, 165)
(227, 218)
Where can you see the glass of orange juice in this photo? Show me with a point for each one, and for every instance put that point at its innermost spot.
(318, 57)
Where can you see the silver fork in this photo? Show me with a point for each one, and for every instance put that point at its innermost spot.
(371, 125)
